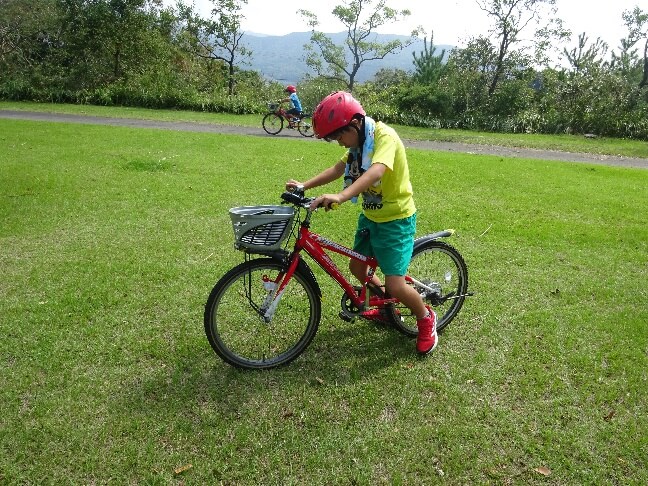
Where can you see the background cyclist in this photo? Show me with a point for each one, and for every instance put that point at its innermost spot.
(295, 110)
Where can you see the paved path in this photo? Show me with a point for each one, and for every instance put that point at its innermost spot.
(418, 144)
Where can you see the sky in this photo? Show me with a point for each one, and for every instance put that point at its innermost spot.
(452, 21)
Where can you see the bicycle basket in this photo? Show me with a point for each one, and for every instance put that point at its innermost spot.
(273, 106)
(261, 227)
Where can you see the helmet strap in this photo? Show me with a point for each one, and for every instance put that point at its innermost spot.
(361, 133)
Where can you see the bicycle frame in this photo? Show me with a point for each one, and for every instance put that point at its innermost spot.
(281, 112)
(316, 246)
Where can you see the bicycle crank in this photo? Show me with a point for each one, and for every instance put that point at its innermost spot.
(349, 310)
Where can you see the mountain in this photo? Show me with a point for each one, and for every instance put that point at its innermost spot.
(281, 58)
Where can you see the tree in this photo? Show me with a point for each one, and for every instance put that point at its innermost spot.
(106, 40)
(360, 18)
(467, 75)
(388, 78)
(581, 58)
(510, 18)
(627, 61)
(428, 66)
(217, 38)
(637, 22)
(28, 35)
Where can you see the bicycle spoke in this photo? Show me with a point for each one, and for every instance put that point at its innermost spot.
(439, 275)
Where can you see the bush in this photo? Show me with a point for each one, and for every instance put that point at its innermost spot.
(423, 101)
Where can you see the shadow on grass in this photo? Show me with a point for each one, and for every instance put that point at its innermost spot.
(341, 355)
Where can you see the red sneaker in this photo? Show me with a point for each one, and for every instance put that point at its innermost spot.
(426, 340)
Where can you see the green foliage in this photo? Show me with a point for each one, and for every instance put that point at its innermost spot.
(584, 56)
(509, 18)
(513, 97)
(216, 38)
(603, 104)
(388, 78)
(428, 66)
(424, 100)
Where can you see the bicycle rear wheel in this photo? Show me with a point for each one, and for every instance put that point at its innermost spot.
(272, 123)
(305, 126)
(234, 322)
(443, 274)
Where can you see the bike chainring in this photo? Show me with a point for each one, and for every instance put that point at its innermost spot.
(349, 310)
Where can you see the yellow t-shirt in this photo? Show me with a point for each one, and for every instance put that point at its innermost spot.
(391, 197)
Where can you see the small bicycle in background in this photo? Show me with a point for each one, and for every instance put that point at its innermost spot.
(265, 311)
(273, 121)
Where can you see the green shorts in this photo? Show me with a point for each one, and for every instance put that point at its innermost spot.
(391, 243)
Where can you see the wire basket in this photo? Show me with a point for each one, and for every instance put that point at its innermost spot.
(273, 106)
(261, 227)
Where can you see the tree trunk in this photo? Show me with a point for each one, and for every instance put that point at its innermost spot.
(500, 63)
(644, 79)
(230, 81)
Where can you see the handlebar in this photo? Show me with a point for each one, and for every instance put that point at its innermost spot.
(298, 198)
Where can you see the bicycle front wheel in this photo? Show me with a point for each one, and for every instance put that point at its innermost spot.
(305, 126)
(440, 276)
(234, 315)
(272, 123)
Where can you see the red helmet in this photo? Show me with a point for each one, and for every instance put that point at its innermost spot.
(334, 112)
(291, 89)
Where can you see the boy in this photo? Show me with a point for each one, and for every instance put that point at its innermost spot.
(295, 110)
(375, 165)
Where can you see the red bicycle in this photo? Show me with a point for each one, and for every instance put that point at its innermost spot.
(265, 311)
(273, 121)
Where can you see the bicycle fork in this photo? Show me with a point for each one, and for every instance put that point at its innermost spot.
(275, 290)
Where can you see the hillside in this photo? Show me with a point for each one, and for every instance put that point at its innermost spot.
(281, 58)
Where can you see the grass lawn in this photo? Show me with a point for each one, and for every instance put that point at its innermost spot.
(111, 239)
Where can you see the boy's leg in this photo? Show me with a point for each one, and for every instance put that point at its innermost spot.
(393, 244)
(359, 270)
(362, 245)
(397, 287)
(427, 339)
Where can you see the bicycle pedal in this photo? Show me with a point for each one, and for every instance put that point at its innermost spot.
(346, 317)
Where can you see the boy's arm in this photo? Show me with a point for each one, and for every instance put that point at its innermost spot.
(366, 180)
(329, 175)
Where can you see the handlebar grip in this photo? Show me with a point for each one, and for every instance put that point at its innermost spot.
(292, 197)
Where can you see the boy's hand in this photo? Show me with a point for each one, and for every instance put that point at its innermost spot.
(327, 201)
(292, 184)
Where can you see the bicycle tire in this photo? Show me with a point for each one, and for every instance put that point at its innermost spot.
(272, 123)
(238, 333)
(305, 126)
(441, 267)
